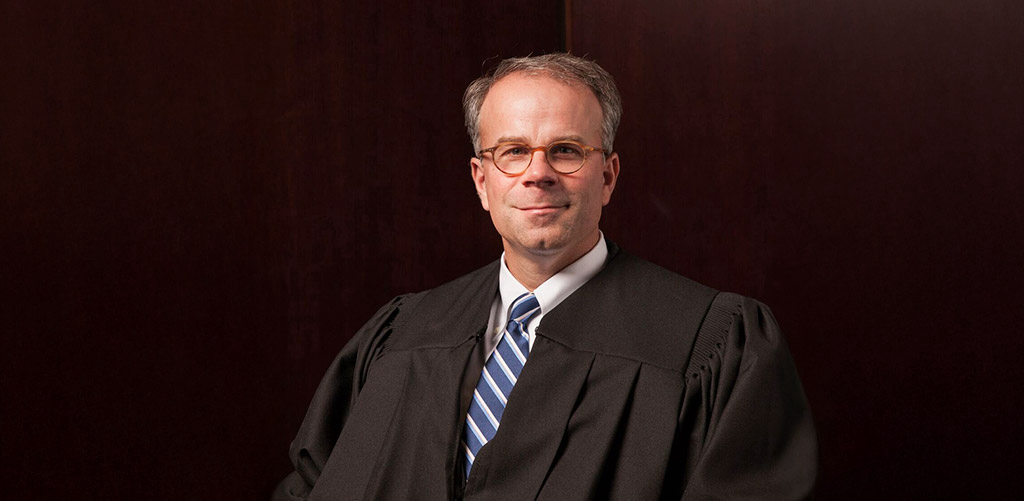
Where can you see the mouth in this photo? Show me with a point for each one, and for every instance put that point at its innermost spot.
(542, 209)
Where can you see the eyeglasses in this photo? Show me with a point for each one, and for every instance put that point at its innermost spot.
(565, 157)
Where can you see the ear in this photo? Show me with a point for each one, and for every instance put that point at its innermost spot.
(611, 175)
(479, 175)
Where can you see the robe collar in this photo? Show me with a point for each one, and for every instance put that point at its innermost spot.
(631, 308)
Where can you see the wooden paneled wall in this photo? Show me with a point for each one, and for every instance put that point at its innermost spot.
(857, 165)
(203, 201)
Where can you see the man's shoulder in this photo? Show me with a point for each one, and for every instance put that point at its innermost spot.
(634, 309)
(468, 291)
(652, 280)
(448, 314)
(648, 282)
(480, 277)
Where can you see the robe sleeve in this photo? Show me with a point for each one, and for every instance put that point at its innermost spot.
(333, 399)
(753, 436)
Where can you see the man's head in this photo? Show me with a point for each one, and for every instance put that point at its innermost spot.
(546, 212)
(559, 66)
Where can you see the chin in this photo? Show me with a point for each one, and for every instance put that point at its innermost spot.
(544, 245)
(543, 249)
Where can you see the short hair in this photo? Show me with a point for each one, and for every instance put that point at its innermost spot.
(570, 69)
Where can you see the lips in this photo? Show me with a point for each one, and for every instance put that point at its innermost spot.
(542, 209)
(542, 205)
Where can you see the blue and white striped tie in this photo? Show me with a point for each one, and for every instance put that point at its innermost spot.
(497, 379)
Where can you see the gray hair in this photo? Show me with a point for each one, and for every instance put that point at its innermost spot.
(565, 67)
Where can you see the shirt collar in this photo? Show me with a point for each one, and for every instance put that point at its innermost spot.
(555, 289)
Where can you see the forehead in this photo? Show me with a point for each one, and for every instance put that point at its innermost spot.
(539, 108)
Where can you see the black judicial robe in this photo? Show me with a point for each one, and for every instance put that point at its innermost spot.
(620, 399)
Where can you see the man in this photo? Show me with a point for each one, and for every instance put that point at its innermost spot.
(567, 369)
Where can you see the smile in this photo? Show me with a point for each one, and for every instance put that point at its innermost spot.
(541, 210)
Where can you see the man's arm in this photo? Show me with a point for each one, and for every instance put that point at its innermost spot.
(755, 437)
(331, 403)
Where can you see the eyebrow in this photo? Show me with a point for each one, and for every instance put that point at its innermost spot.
(521, 139)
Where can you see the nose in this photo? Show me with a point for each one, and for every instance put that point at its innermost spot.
(539, 172)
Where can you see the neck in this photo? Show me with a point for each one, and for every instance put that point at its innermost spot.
(532, 269)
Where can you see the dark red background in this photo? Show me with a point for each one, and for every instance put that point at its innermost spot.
(203, 201)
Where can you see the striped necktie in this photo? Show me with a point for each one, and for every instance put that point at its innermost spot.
(497, 379)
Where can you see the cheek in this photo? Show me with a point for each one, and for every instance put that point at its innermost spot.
(498, 192)
(595, 199)
(594, 192)
(491, 194)
(496, 201)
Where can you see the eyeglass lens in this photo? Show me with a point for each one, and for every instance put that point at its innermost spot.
(563, 157)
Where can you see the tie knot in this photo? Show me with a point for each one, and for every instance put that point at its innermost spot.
(524, 308)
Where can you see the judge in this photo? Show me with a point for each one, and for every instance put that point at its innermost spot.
(568, 368)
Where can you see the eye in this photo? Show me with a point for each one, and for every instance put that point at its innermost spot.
(566, 151)
(513, 150)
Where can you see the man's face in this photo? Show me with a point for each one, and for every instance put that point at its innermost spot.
(541, 212)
